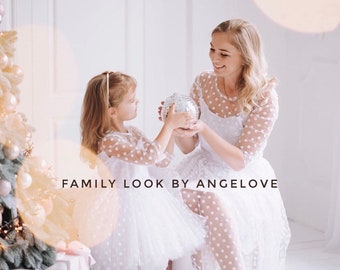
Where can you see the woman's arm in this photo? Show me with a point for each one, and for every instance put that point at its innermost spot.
(253, 138)
(229, 153)
(186, 140)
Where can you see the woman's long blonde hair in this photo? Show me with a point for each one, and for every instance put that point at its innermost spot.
(253, 81)
(103, 91)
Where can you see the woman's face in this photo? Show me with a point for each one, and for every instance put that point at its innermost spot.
(226, 59)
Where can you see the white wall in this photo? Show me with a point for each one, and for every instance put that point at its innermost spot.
(310, 122)
(164, 44)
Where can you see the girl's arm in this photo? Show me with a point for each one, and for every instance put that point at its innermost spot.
(145, 152)
(184, 139)
(166, 137)
(172, 121)
(187, 140)
(168, 155)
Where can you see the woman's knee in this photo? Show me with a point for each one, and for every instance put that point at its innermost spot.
(192, 199)
(211, 204)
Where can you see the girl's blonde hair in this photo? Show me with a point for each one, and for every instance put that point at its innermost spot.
(253, 81)
(103, 91)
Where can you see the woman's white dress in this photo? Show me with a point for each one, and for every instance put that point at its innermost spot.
(257, 214)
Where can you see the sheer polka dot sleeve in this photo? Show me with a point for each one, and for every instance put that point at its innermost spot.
(128, 147)
(163, 159)
(258, 126)
(195, 92)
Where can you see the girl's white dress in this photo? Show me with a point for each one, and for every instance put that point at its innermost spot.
(257, 214)
(151, 226)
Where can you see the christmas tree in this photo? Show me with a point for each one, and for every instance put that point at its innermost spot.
(33, 211)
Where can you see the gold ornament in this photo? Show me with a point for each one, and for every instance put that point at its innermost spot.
(29, 147)
(8, 103)
(7, 42)
(4, 83)
(3, 60)
(14, 74)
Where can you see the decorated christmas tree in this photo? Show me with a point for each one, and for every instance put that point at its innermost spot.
(34, 213)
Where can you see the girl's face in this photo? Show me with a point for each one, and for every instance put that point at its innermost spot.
(226, 59)
(127, 109)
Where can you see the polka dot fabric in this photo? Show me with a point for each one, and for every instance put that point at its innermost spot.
(246, 228)
(256, 126)
(152, 225)
(220, 234)
(133, 147)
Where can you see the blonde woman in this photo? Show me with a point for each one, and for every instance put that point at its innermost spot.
(231, 184)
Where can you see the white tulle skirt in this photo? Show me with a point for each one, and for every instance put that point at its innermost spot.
(258, 213)
(149, 227)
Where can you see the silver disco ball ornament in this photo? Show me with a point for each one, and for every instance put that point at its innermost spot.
(183, 103)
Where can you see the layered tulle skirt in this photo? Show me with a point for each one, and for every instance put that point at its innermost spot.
(252, 202)
(148, 227)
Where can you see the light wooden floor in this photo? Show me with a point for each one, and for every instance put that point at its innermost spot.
(306, 250)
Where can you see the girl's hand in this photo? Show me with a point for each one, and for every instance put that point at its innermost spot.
(160, 111)
(178, 120)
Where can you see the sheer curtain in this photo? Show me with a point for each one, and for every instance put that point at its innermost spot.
(333, 229)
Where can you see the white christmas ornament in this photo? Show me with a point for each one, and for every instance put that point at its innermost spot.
(24, 180)
(5, 187)
(183, 103)
(11, 151)
(35, 216)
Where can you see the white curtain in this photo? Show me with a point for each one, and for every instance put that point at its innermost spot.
(333, 230)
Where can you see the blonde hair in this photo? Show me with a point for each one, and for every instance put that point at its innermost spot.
(253, 81)
(103, 91)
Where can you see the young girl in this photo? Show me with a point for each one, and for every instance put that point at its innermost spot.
(152, 226)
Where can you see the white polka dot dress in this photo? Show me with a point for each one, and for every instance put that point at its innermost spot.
(247, 228)
(152, 225)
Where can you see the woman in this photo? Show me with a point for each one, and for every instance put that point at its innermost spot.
(247, 225)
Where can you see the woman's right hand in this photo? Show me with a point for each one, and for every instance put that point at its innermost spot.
(185, 133)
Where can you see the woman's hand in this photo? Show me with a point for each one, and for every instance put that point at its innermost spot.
(194, 128)
(198, 126)
(184, 133)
